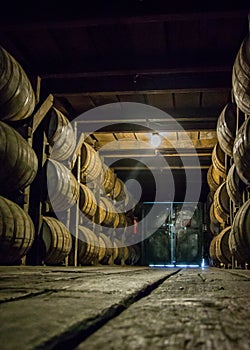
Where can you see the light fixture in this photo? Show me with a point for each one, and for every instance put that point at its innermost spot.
(155, 139)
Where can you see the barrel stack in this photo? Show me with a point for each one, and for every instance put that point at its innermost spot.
(229, 187)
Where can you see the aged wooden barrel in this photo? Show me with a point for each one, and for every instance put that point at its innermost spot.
(63, 188)
(221, 203)
(240, 233)
(60, 135)
(57, 241)
(212, 252)
(122, 220)
(88, 246)
(105, 249)
(109, 216)
(226, 128)
(241, 76)
(241, 152)
(218, 160)
(214, 180)
(16, 232)
(134, 255)
(222, 250)
(214, 223)
(108, 179)
(18, 160)
(117, 251)
(87, 201)
(235, 187)
(17, 98)
(118, 190)
(91, 164)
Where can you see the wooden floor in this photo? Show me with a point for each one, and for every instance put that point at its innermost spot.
(124, 308)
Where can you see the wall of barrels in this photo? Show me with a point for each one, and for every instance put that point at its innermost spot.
(228, 177)
(60, 204)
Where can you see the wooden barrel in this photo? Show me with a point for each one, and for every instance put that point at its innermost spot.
(63, 188)
(108, 214)
(214, 180)
(241, 152)
(17, 98)
(235, 187)
(91, 164)
(221, 203)
(122, 220)
(18, 160)
(88, 246)
(212, 252)
(87, 201)
(218, 160)
(108, 179)
(241, 76)
(134, 255)
(16, 232)
(118, 251)
(105, 249)
(240, 240)
(226, 128)
(60, 135)
(115, 250)
(57, 241)
(118, 190)
(222, 250)
(214, 223)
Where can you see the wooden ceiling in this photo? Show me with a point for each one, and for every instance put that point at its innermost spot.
(175, 57)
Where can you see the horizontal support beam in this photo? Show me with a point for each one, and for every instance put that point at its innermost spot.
(187, 81)
(140, 168)
(136, 154)
(29, 21)
(160, 126)
(144, 92)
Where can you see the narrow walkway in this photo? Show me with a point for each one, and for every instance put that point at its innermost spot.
(123, 308)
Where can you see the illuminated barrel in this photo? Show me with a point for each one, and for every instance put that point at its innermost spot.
(91, 164)
(108, 179)
(57, 241)
(108, 214)
(63, 188)
(88, 246)
(214, 180)
(221, 203)
(219, 247)
(87, 201)
(241, 152)
(241, 76)
(60, 135)
(235, 187)
(17, 98)
(119, 193)
(240, 234)
(16, 232)
(18, 160)
(218, 160)
(105, 249)
(226, 128)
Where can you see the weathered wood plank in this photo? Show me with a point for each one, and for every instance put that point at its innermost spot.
(194, 309)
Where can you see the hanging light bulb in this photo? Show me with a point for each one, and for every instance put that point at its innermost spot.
(155, 139)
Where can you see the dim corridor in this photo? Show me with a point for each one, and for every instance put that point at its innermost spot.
(123, 308)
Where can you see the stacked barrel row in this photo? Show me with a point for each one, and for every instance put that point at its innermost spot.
(18, 160)
(229, 175)
(94, 190)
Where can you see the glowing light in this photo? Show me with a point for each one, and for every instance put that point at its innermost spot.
(186, 265)
(155, 140)
(161, 265)
(203, 263)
